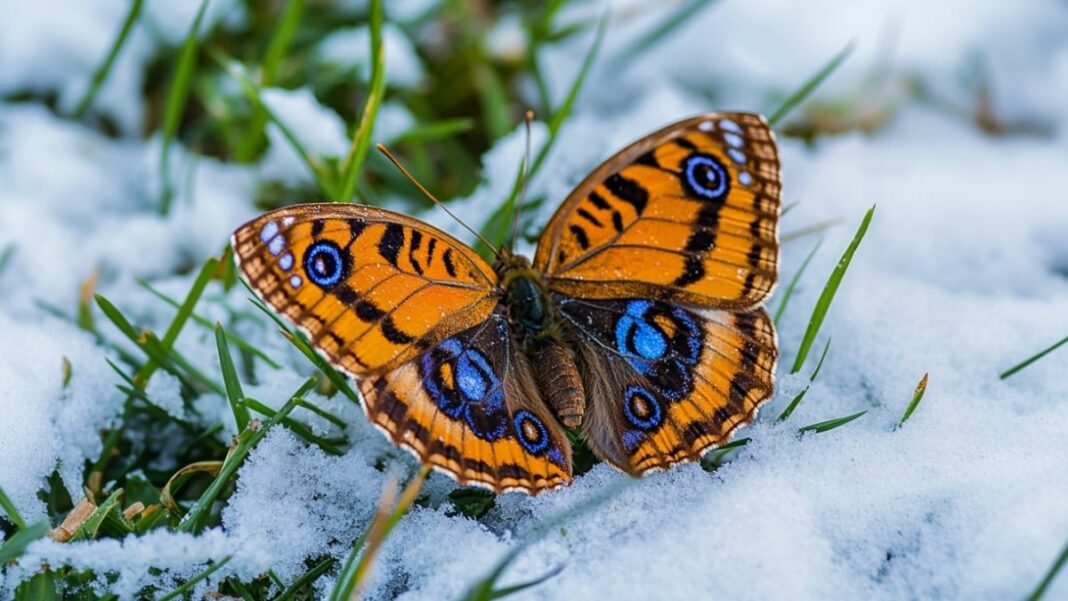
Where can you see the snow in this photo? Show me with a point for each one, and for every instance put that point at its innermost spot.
(963, 273)
(351, 49)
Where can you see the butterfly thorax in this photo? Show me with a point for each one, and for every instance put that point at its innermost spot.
(527, 299)
(535, 323)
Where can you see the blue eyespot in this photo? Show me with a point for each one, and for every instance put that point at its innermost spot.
(705, 176)
(641, 409)
(473, 375)
(661, 342)
(325, 264)
(530, 432)
(462, 383)
(636, 337)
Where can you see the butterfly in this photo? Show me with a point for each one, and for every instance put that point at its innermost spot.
(637, 325)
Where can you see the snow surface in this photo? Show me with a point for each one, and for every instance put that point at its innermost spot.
(963, 273)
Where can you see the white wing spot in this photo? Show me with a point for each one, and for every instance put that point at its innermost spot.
(269, 230)
(729, 125)
(276, 245)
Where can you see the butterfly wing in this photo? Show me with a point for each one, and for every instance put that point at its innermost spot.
(468, 407)
(413, 315)
(687, 214)
(370, 288)
(667, 383)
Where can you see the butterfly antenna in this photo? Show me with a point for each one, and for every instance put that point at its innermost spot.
(518, 209)
(411, 178)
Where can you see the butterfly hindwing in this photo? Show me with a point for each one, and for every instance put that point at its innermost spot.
(688, 214)
(666, 383)
(467, 406)
(370, 288)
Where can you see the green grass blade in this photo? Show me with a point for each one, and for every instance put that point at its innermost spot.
(176, 364)
(246, 441)
(12, 512)
(562, 112)
(17, 542)
(354, 572)
(102, 72)
(176, 100)
(42, 587)
(89, 528)
(809, 230)
(205, 323)
(515, 588)
(786, 413)
(315, 168)
(207, 271)
(819, 312)
(485, 588)
(158, 354)
(277, 48)
(297, 339)
(234, 394)
(6, 256)
(1032, 359)
(493, 100)
(810, 86)
(681, 15)
(921, 388)
(714, 459)
(436, 130)
(472, 501)
(309, 577)
(830, 424)
(789, 292)
(495, 229)
(296, 427)
(1058, 564)
(540, 30)
(189, 584)
(361, 140)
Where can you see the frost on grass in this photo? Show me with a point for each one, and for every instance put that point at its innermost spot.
(963, 273)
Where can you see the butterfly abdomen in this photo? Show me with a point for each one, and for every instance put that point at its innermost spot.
(560, 384)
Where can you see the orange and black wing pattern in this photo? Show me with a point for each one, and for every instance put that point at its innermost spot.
(414, 316)
(667, 383)
(370, 288)
(687, 214)
(466, 407)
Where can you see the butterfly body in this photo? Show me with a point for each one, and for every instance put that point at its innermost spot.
(540, 332)
(638, 322)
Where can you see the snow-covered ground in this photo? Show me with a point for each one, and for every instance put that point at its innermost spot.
(963, 273)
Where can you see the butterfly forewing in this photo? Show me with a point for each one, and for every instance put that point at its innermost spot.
(689, 213)
(369, 288)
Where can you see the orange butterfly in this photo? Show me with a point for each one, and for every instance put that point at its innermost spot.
(638, 322)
